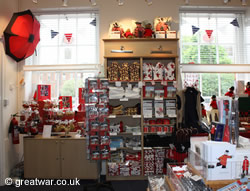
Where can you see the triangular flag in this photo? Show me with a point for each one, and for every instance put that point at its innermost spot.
(93, 22)
(53, 33)
(68, 36)
(235, 23)
(195, 29)
(209, 33)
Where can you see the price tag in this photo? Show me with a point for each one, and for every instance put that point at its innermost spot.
(136, 148)
(112, 116)
(136, 116)
(161, 133)
(136, 133)
(129, 86)
(175, 84)
(124, 99)
(140, 84)
(158, 98)
(147, 148)
(113, 149)
(113, 134)
(118, 84)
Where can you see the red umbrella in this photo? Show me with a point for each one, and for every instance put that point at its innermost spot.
(22, 35)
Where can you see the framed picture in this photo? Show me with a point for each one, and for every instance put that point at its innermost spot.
(66, 102)
(43, 92)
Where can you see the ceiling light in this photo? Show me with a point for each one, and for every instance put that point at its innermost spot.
(226, 1)
(93, 2)
(34, 1)
(150, 2)
(65, 3)
(120, 2)
(244, 2)
(186, 2)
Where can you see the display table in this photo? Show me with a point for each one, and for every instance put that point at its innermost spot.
(57, 157)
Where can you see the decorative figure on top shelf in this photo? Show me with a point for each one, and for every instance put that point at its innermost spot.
(163, 23)
(139, 30)
(128, 34)
(148, 31)
(247, 90)
(117, 27)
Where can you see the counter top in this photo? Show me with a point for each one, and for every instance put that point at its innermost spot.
(54, 137)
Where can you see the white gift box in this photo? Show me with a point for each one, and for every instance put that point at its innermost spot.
(171, 34)
(160, 34)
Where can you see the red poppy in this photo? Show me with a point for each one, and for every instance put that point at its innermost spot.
(22, 35)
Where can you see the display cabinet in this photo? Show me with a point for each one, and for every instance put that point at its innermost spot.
(142, 74)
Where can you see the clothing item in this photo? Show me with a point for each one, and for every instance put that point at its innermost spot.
(229, 94)
(213, 104)
(158, 71)
(204, 113)
(247, 91)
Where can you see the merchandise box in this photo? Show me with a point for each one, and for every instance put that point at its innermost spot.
(43, 92)
(159, 112)
(171, 34)
(219, 158)
(115, 35)
(148, 108)
(242, 157)
(160, 34)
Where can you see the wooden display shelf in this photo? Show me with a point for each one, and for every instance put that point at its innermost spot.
(158, 133)
(140, 39)
(158, 125)
(113, 178)
(153, 98)
(125, 134)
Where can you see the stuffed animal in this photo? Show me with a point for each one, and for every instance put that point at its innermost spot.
(148, 31)
(139, 30)
(128, 34)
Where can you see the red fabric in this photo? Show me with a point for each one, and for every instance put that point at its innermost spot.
(230, 94)
(247, 91)
(223, 159)
(245, 164)
(204, 113)
(213, 130)
(213, 104)
(148, 33)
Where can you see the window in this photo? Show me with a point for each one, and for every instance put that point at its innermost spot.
(209, 58)
(64, 62)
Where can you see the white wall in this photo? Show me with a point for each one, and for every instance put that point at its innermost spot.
(9, 154)
(109, 11)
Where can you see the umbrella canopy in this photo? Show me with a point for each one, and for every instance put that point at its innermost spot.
(22, 35)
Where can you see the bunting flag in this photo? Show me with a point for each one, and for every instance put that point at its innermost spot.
(93, 22)
(53, 33)
(68, 37)
(235, 23)
(209, 33)
(195, 29)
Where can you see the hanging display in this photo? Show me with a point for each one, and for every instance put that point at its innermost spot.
(21, 35)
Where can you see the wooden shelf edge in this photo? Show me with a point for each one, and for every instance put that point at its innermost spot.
(113, 178)
(153, 56)
(140, 39)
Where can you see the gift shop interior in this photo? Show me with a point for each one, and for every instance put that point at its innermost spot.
(125, 95)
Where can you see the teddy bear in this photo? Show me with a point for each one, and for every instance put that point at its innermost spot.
(139, 30)
(148, 31)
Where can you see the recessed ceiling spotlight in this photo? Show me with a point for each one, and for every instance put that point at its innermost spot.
(93, 2)
(244, 2)
(65, 3)
(226, 1)
(120, 2)
(150, 2)
(35, 1)
(186, 2)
